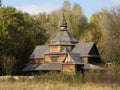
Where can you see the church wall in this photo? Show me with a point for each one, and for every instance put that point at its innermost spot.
(58, 48)
(47, 58)
(68, 68)
(94, 51)
(68, 59)
(85, 59)
(55, 48)
(55, 58)
(93, 60)
(61, 58)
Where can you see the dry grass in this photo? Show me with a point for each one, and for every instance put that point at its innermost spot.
(57, 81)
(19, 85)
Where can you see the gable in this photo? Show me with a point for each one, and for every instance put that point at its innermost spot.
(83, 48)
(73, 59)
(94, 50)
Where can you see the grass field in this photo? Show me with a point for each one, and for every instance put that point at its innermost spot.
(18, 85)
(60, 82)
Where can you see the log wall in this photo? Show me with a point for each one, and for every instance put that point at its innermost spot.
(68, 68)
(55, 48)
(85, 59)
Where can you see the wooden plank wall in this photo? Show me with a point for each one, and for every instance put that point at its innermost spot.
(85, 59)
(68, 68)
(58, 48)
(55, 48)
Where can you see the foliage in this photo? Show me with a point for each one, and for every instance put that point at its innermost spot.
(41, 26)
(76, 20)
(20, 32)
(109, 80)
(110, 29)
(93, 32)
(104, 29)
(112, 24)
(7, 64)
(18, 35)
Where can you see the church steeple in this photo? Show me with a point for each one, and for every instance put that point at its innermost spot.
(63, 25)
(63, 37)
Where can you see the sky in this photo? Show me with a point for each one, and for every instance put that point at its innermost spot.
(36, 6)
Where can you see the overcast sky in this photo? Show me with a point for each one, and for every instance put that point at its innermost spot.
(36, 6)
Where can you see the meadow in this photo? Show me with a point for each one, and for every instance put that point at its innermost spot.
(18, 85)
(59, 81)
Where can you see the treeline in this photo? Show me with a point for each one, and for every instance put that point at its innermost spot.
(20, 32)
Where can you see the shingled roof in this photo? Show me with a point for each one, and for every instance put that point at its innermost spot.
(49, 66)
(44, 66)
(39, 51)
(31, 67)
(63, 38)
(83, 48)
(76, 59)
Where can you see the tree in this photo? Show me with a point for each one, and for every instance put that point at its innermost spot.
(77, 22)
(78, 25)
(112, 27)
(41, 28)
(7, 64)
(94, 31)
(0, 3)
(105, 29)
(18, 35)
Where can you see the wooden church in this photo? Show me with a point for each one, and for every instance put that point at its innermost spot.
(64, 54)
